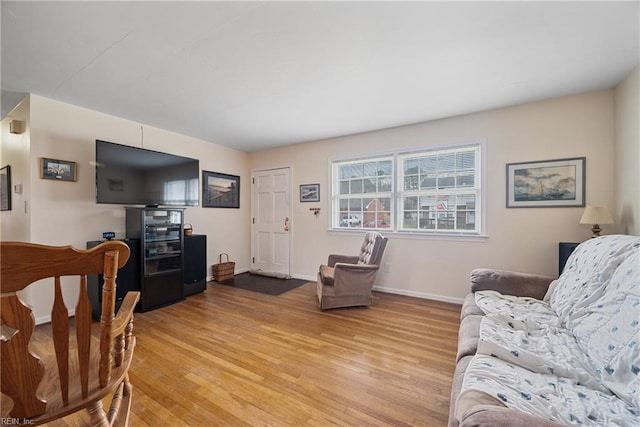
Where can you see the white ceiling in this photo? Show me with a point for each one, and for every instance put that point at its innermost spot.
(253, 75)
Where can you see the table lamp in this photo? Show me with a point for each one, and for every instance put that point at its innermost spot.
(596, 215)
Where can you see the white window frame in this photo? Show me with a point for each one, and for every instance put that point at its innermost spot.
(336, 196)
(442, 193)
(397, 209)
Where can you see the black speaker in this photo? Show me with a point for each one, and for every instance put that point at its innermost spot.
(128, 278)
(564, 252)
(195, 264)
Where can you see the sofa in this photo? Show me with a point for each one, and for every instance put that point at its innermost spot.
(539, 351)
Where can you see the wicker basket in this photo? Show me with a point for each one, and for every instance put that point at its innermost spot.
(188, 229)
(224, 270)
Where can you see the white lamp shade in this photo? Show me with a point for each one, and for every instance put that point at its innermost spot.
(596, 215)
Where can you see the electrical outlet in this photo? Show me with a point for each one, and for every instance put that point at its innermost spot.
(387, 267)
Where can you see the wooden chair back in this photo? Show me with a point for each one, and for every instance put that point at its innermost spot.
(76, 376)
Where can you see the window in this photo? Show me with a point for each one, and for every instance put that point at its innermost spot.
(362, 193)
(439, 190)
(433, 191)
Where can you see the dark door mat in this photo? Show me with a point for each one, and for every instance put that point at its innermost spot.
(263, 284)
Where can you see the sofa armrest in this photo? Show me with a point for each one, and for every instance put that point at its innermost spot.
(510, 282)
(347, 259)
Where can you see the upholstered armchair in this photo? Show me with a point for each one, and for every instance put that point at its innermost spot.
(347, 281)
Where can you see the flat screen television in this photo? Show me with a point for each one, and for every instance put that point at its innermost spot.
(128, 175)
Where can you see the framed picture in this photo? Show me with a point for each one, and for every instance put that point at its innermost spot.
(59, 170)
(220, 190)
(5, 188)
(548, 183)
(310, 193)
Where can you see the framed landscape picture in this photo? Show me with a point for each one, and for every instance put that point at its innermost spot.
(59, 170)
(220, 190)
(548, 183)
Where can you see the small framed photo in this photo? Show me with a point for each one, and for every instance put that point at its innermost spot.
(5, 188)
(310, 193)
(59, 170)
(220, 190)
(548, 183)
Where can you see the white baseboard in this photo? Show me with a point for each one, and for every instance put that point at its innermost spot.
(303, 277)
(47, 318)
(388, 290)
(43, 319)
(422, 295)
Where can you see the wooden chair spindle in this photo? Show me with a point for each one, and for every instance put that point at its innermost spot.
(60, 328)
(83, 335)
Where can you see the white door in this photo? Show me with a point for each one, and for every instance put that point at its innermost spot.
(271, 224)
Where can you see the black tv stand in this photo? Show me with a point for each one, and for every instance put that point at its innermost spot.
(160, 232)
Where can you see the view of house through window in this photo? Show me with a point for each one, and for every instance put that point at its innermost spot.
(363, 196)
(436, 190)
(440, 189)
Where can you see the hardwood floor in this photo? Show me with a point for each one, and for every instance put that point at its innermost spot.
(239, 358)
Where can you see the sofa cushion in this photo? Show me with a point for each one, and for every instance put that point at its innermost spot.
(537, 347)
(609, 331)
(548, 396)
(586, 274)
(518, 307)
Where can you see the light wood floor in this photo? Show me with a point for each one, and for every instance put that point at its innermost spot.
(230, 357)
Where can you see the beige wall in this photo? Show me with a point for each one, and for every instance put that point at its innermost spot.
(518, 239)
(14, 151)
(627, 154)
(66, 212)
